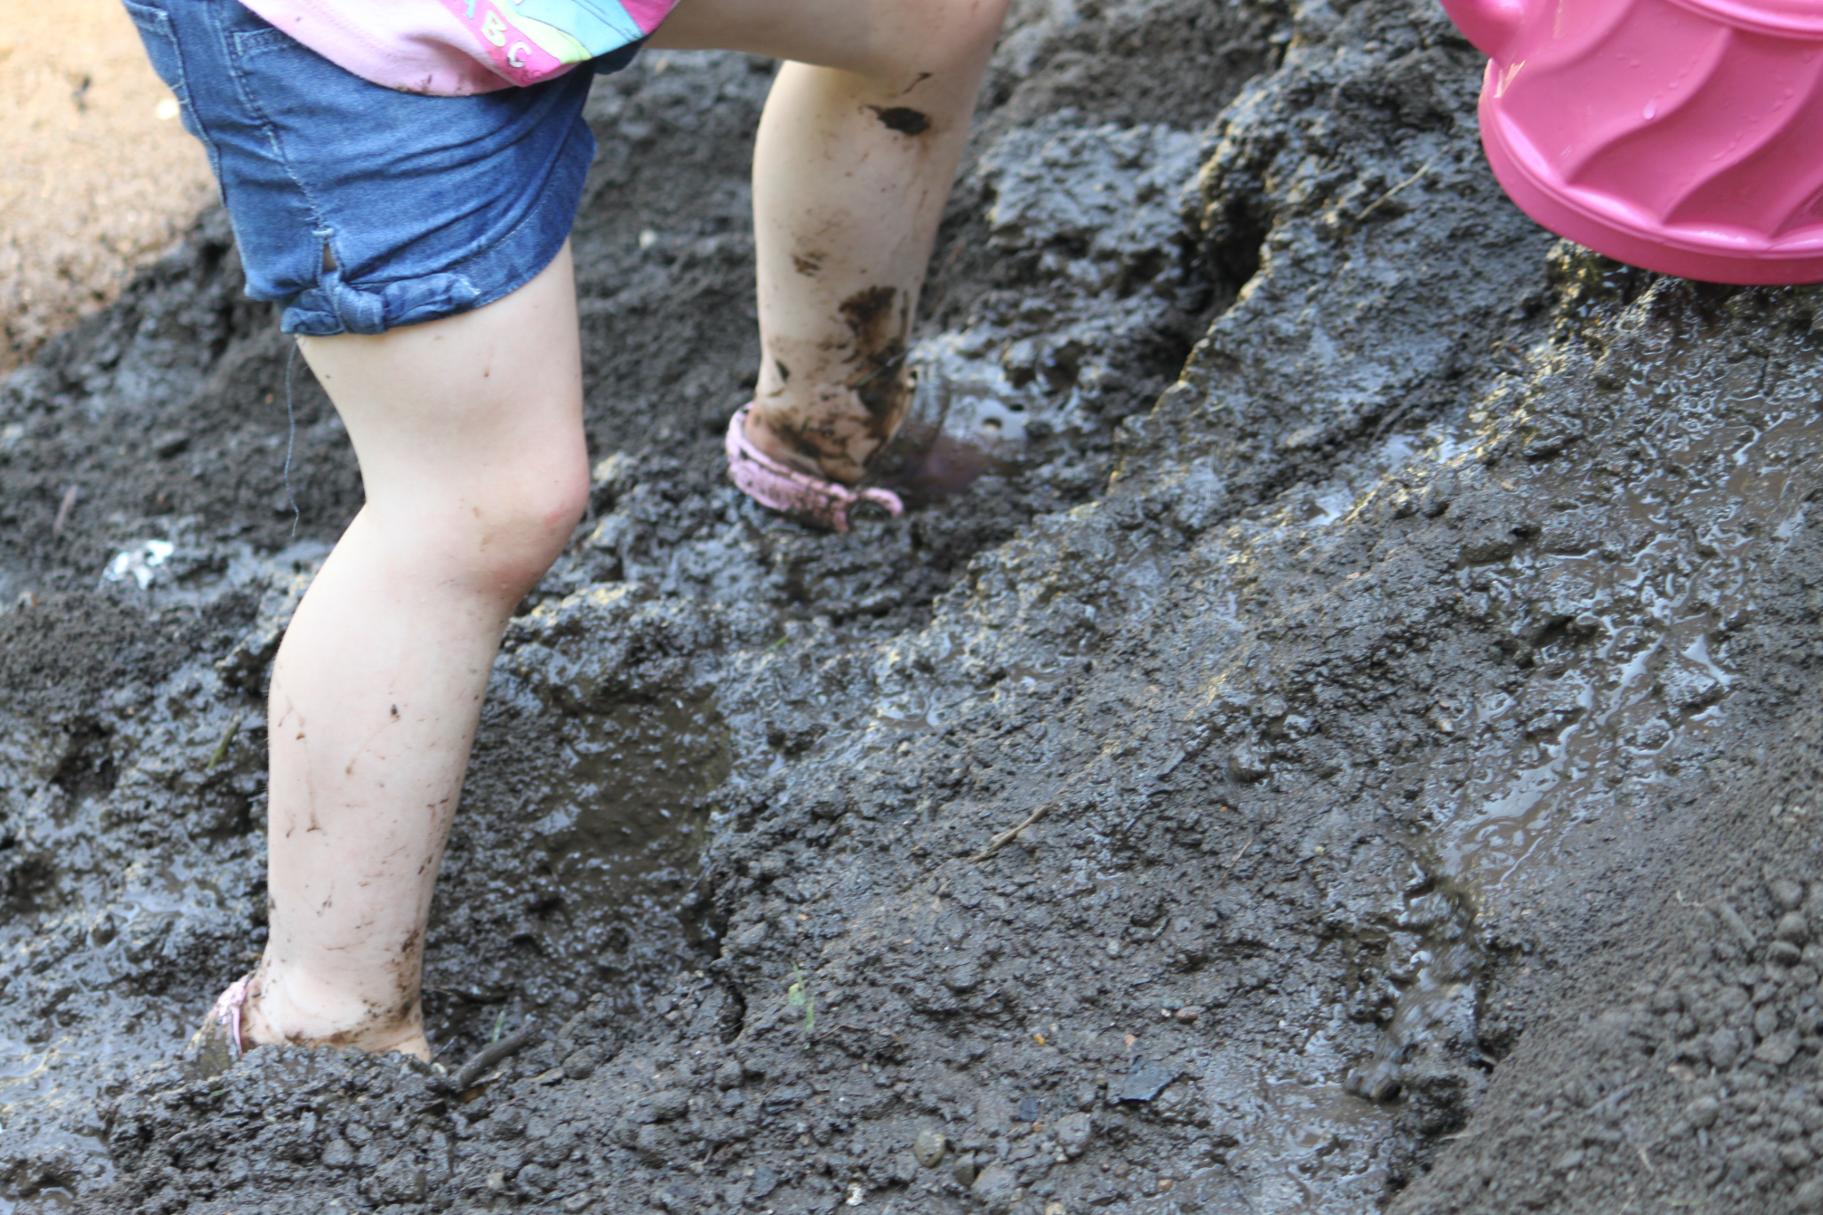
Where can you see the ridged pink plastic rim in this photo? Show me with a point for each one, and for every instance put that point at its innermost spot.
(1787, 18)
(1695, 255)
(1678, 135)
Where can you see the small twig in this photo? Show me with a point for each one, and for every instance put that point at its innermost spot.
(63, 510)
(1614, 1098)
(1375, 204)
(1010, 834)
(221, 748)
(508, 1046)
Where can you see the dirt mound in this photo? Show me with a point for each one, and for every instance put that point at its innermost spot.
(99, 172)
(1352, 752)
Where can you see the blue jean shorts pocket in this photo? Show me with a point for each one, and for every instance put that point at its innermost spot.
(160, 40)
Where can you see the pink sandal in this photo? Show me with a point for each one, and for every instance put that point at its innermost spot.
(800, 495)
(218, 1044)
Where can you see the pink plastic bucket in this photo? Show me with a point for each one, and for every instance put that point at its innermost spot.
(1685, 136)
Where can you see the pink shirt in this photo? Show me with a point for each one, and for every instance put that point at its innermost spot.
(458, 47)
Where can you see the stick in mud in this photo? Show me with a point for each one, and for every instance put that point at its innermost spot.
(470, 1072)
(1010, 834)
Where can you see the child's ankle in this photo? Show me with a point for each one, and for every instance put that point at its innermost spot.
(274, 1017)
(812, 449)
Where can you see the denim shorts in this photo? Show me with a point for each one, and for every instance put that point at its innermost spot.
(358, 207)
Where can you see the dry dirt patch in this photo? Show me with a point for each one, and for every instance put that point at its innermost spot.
(100, 173)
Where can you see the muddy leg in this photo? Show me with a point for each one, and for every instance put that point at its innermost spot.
(469, 435)
(856, 154)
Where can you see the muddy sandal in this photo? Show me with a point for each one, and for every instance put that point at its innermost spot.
(806, 498)
(218, 1044)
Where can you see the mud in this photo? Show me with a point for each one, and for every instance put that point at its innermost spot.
(902, 119)
(1352, 748)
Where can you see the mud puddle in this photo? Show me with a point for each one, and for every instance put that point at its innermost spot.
(131, 878)
(1630, 653)
(1622, 630)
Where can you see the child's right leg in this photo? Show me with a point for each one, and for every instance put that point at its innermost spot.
(422, 241)
(469, 434)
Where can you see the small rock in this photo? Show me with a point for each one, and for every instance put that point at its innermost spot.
(1028, 1108)
(1188, 1015)
(1724, 1047)
(996, 1187)
(1246, 765)
(1703, 1112)
(964, 1170)
(1778, 1050)
(670, 1103)
(1484, 550)
(964, 976)
(1073, 1132)
(729, 1075)
(1145, 1081)
(338, 1155)
(929, 1147)
(1691, 689)
(1793, 927)
(581, 1064)
(1786, 893)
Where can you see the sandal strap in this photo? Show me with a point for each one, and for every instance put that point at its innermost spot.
(781, 488)
(230, 1009)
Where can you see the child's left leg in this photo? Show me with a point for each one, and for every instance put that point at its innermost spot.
(856, 153)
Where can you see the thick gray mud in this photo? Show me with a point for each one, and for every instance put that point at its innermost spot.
(1352, 747)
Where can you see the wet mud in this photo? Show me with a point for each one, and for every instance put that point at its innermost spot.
(1352, 745)
(902, 119)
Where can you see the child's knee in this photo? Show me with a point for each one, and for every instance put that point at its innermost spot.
(501, 537)
(964, 31)
(949, 35)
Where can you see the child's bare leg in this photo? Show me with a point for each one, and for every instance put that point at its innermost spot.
(469, 434)
(856, 154)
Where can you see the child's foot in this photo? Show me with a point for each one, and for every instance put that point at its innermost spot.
(276, 1015)
(806, 496)
(241, 1020)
